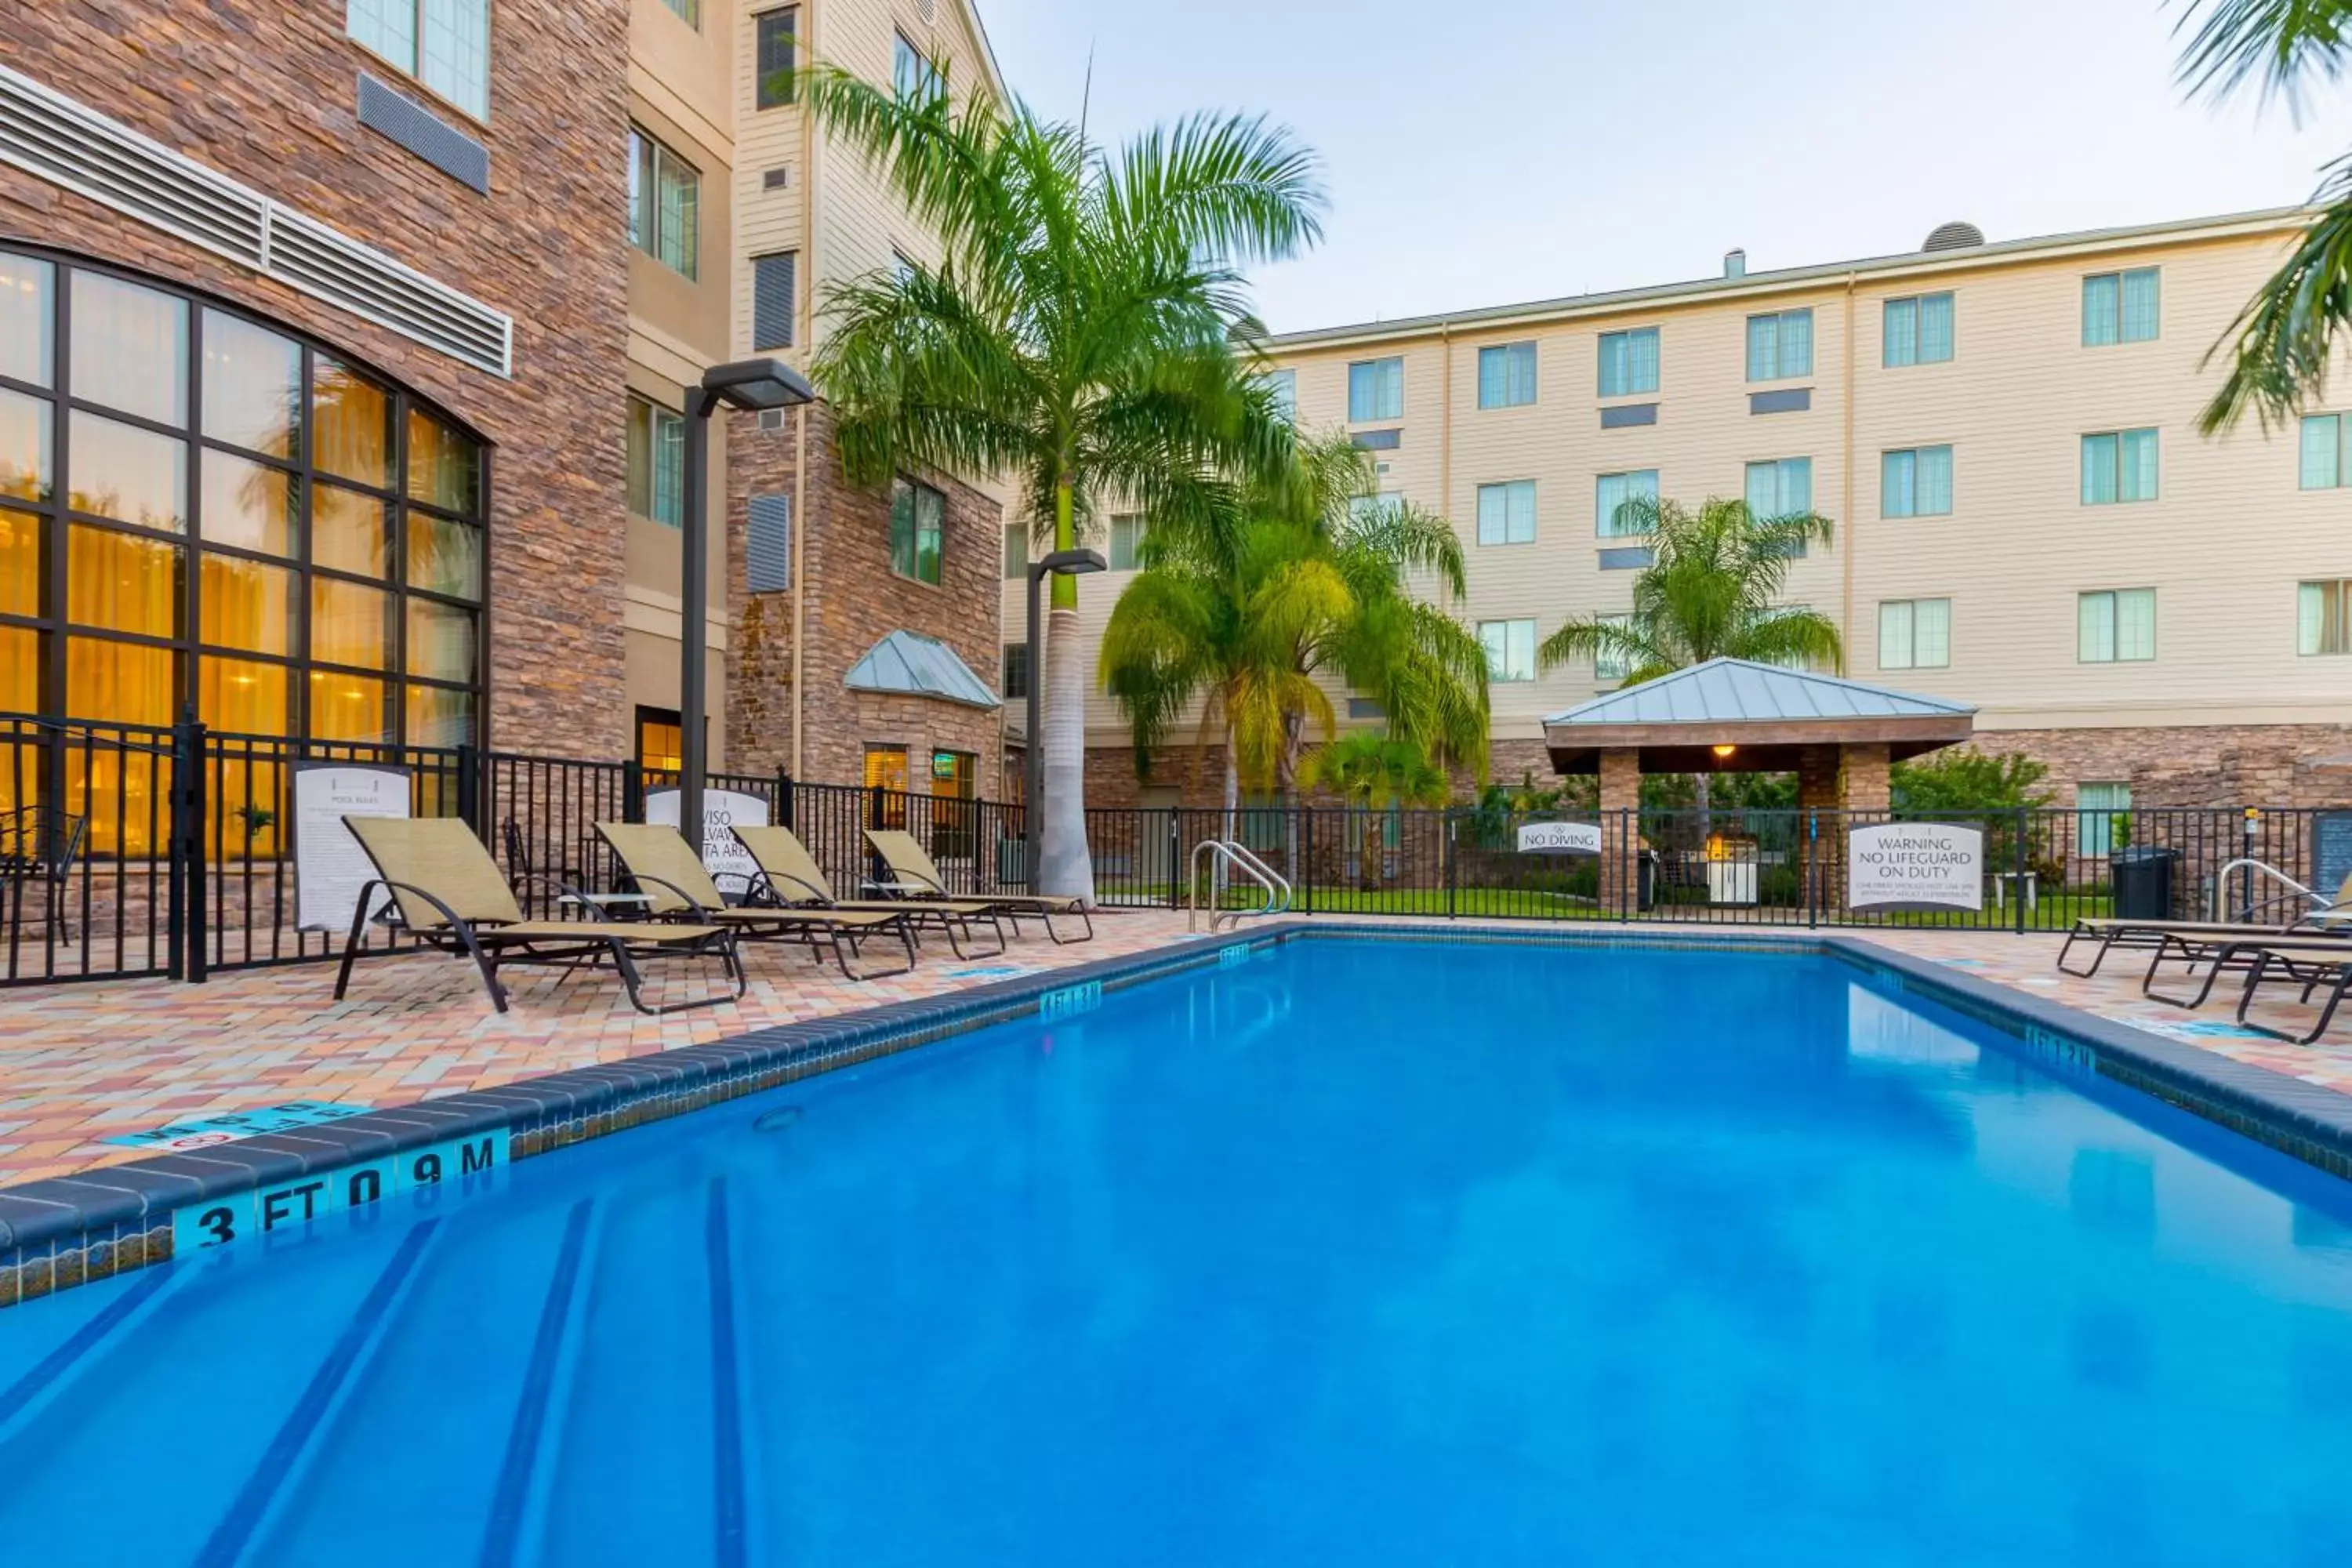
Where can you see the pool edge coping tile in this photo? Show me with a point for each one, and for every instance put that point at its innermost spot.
(554, 1110)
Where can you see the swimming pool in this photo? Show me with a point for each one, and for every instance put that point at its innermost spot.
(1369, 1252)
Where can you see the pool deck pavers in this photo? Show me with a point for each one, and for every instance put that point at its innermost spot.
(79, 1063)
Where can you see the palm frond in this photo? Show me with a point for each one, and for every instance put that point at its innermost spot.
(2280, 346)
(2276, 44)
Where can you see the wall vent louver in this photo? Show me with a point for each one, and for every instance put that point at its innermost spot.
(1954, 237)
(68, 143)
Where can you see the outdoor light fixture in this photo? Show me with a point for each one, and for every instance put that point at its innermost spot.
(1061, 562)
(751, 384)
(1724, 751)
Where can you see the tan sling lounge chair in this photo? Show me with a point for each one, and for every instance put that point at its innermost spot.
(449, 895)
(679, 886)
(915, 875)
(2192, 938)
(789, 877)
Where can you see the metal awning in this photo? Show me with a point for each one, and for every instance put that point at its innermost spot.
(908, 664)
(1767, 714)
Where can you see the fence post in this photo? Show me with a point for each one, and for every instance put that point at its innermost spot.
(176, 866)
(1306, 858)
(2017, 883)
(1812, 870)
(783, 799)
(632, 790)
(469, 787)
(1450, 870)
(189, 738)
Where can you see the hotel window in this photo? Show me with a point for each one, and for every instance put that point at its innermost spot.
(2323, 616)
(1510, 650)
(1623, 504)
(244, 523)
(2118, 466)
(917, 522)
(1375, 390)
(775, 35)
(1919, 330)
(1781, 345)
(886, 770)
(687, 11)
(2326, 451)
(1916, 481)
(1126, 541)
(1371, 512)
(1915, 634)
(1629, 362)
(444, 44)
(661, 739)
(1507, 375)
(2120, 308)
(1506, 513)
(1282, 388)
(1609, 664)
(656, 463)
(664, 203)
(913, 76)
(1783, 488)
(1017, 671)
(775, 300)
(2116, 626)
(2100, 810)
(1016, 554)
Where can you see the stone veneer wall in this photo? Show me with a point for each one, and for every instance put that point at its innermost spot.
(2247, 764)
(853, 599)
(2204, 765)
(265, 91)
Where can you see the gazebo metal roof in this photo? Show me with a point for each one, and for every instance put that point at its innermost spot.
(908, 664)
(1767, 714)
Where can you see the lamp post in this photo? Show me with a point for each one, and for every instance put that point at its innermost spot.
(755, 384)
(1063, 563)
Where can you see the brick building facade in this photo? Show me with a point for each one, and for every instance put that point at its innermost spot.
(265, 93)
(848, 597)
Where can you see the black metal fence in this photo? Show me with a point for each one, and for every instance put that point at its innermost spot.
(136, 850)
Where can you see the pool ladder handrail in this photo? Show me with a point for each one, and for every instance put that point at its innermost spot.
(1227, 853)
(2317, 903)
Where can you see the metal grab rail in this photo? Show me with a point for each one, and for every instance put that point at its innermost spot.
(1224, 853)
(2317, 902)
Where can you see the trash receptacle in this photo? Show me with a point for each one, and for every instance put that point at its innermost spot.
(2141, 881)
(1648, 880)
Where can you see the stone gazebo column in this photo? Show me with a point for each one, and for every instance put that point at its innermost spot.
(1620, 829)
(1818, 797)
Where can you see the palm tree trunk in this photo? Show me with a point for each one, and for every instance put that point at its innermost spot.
(1286, 780)
(1066, 870)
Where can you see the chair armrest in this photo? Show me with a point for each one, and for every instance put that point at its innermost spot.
(692, 903)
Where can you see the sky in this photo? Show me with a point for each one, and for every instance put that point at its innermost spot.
(1482, 153)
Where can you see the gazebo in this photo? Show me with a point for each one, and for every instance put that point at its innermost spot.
(1732, 715)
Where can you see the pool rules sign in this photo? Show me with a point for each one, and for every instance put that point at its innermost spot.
(1915, 866)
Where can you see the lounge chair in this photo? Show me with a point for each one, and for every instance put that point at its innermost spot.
(2332, 971)
(2255, 953)
(678, 886)
(449, 895)
(2110, 932)
(789, 877)
(915, 875)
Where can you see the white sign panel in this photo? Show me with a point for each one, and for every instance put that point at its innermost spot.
(330, 867)
(1559, 839)
(723, 854)
(1925, 865)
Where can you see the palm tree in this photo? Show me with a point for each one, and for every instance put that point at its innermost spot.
(1088, 332)
(1373, 771)
(1249, 595)
(2279, 345)
(1712, 591)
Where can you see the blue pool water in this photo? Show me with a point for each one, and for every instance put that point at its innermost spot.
(1361, 1253)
